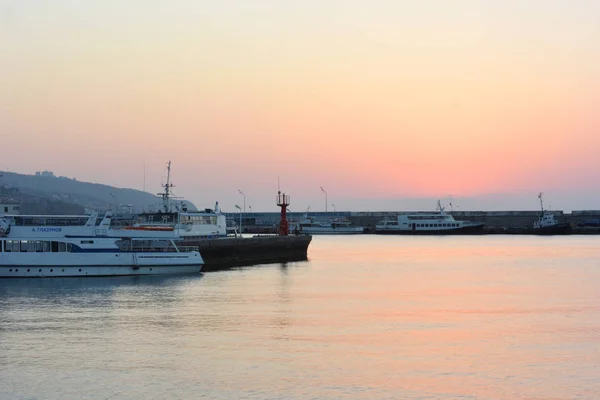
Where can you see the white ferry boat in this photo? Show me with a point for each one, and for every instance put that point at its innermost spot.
(336, 226)
(95, 256)
(436, 223)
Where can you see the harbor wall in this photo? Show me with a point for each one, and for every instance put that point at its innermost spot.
(495, 221)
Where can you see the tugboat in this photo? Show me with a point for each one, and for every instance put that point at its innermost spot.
(548, 225)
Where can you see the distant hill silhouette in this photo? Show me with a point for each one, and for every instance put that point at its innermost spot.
(83, 194)
(32, 205)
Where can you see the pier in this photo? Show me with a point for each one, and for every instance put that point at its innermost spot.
(225, 253)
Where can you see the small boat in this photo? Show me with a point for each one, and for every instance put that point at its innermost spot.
(547, 224)
(436, 223)
(95, 256)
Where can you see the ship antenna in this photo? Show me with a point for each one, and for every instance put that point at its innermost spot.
(541, 201)
(167, 193)
(439, 207)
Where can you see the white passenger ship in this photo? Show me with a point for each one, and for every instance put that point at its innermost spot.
(95, 256)
(209, 223)
(437, 223)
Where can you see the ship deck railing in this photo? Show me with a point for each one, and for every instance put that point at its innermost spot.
(149, 249)
(187, 249)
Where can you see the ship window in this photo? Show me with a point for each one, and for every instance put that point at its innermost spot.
(69, 247)
(62, 247)
(27, 246)
(38, 247)
(54, 247)
(87, 242)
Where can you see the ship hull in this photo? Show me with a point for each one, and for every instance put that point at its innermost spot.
(464, 230)
(559, 229)
(332, 231)
(37, 271)
(102, 263)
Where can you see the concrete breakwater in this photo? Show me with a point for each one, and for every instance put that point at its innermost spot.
(224, 253)
(496, 222)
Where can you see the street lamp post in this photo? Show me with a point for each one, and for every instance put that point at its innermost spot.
(239, 208)
(323, 190)
(242, 193)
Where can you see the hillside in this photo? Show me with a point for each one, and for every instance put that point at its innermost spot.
(34, 205)
(47, 187)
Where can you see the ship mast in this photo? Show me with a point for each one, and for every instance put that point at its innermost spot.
(541, 201)
(167, 193)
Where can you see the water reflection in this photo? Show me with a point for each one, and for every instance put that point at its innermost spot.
(369, 317)
(84, 304)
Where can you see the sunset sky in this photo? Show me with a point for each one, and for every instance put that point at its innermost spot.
(386, 104)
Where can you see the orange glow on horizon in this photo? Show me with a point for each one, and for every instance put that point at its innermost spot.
(401, 99)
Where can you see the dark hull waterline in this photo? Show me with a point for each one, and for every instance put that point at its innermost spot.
(560, 229)
(466, 230)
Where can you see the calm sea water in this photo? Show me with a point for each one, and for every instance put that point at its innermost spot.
(368, 317)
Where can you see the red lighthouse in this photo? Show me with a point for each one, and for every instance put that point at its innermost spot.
(283, 201)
